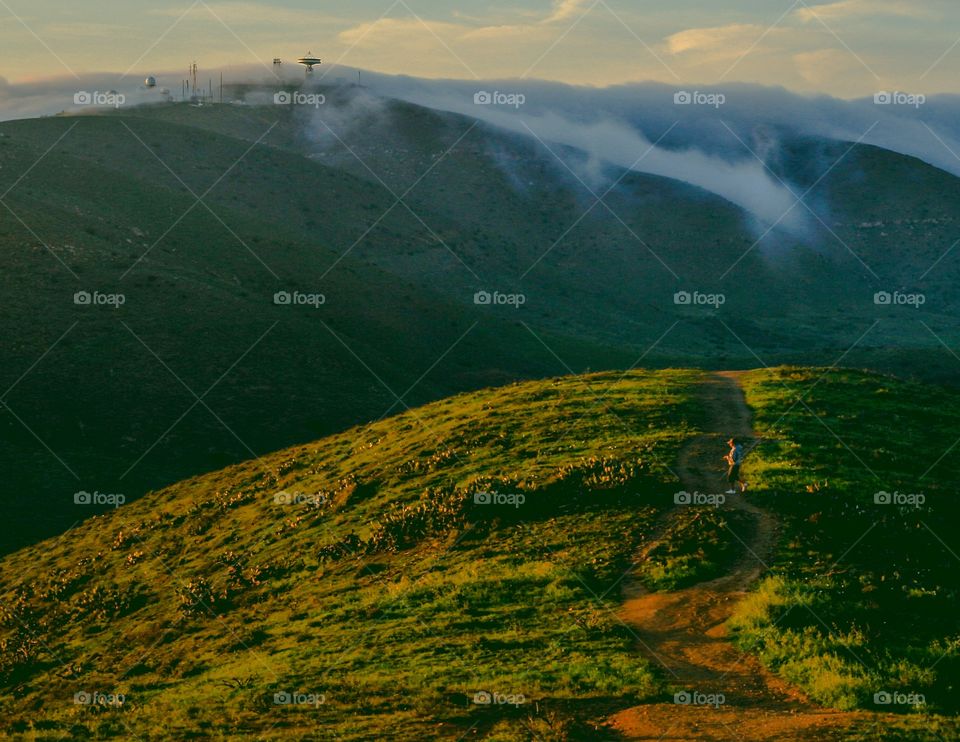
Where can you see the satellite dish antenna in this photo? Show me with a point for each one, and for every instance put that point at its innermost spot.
(309, 62)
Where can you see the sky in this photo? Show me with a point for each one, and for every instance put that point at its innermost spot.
(844, 48)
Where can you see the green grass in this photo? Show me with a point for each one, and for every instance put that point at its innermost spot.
(395, 596)
(862, 597)
(203, 600)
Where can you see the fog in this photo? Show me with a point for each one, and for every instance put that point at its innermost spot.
(718, 139)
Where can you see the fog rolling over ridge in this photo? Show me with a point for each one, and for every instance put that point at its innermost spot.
(925, 127)
(609, 138)
(723, 140)
(719, 141)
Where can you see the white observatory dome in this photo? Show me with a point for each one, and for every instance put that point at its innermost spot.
(150, 82)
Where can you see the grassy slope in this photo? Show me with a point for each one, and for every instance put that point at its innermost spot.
(442, 601)
(398, 599)
(862, 597)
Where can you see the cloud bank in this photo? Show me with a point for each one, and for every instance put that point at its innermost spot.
(718, 140)
(721, 147)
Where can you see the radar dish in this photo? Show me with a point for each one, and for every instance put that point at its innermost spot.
(309, 62)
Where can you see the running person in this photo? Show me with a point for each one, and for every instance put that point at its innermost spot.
(734, 459)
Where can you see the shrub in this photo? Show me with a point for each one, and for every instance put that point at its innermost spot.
(197, 598)
(19, 655)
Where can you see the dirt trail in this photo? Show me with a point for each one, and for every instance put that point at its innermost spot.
(683, 632)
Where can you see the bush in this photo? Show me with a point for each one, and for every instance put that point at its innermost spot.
(19, 655)
(197, 598)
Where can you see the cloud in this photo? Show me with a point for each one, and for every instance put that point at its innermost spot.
(53, 95)
(566, 9)
(822, 66)
(791, 53)
(500, 33)
(405, 32)
(616, 125)
(608, 138)
(413, 32)
(86, 30)
(718, 42)
(250, 14)
(855, 8)
(45, 96)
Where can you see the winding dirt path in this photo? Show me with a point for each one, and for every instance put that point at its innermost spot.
(684, 632)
